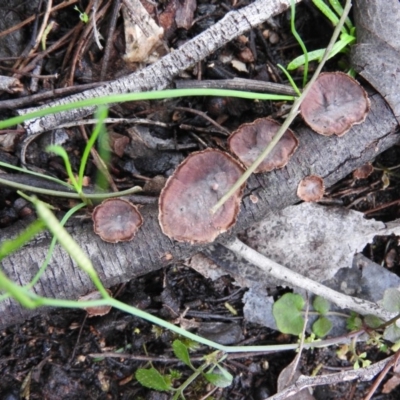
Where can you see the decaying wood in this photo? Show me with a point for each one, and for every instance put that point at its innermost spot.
(159, 75)
(331, 158)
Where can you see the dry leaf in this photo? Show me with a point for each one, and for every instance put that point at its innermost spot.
(283, 382)
(313, 240)
(142, 34)
(184, 13)
(8, 141)
(239, 66)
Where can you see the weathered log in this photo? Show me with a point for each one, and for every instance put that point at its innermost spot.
(332, 158)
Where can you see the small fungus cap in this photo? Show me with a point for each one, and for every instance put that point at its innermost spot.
(250, 139)
(196, 186)
(334, 104)
(311, 188)
(363, 172)
(96, 311)
(116, 220)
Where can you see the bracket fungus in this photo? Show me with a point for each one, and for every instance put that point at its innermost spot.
(334, 104)
(311, 188)
(250, 139)
(116, 220)
(196, 185)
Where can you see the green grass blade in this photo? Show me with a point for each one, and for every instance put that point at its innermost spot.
(60, 151)
(101, 115)
(156, 95)
(299, 41)
(29, 172)
(335, 4)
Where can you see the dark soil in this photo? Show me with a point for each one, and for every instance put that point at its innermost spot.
(57, 356)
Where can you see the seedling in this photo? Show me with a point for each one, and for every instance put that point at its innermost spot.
(289, 318)
(153, 379)
(82, 15)
(349, 351)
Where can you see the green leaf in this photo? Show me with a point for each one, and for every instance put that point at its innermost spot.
(354, 323)
(225, 372)
(219, 380)
(321, 305)
(372, 321)
(181, 352)
(322, 326)
(316, 55)
(152, 379)
(391, 300)
(287, 313)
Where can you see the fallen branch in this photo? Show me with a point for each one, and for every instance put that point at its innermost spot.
(151, 250)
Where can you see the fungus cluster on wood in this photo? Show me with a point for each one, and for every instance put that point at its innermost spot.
(333, 105)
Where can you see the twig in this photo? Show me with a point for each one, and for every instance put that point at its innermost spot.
(364, 374)
(12, 104)
(278, 271)
(238, 84)
(32, 17)
(391, 364)
(110, 39)
(205, 116)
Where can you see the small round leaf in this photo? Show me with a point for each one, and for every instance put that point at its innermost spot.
(287, 313)
(321, 305)
(322, 326)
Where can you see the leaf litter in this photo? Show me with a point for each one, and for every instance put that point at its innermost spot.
(321, 243)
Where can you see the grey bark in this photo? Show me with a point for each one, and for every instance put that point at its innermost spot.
(332, 158)
(159, 75)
